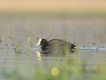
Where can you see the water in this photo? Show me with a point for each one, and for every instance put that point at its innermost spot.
(92, 48)
(8, 55)
(9, 60)
(87, 32)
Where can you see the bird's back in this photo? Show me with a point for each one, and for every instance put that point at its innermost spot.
(59, 45)
(58, 42)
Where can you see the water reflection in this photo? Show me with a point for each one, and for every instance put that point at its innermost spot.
(38, 55)
(52, 53)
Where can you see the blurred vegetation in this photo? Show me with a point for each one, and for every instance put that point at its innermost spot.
(57, 14)
(70, 69)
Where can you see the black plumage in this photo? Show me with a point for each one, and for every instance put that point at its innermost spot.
(56, 46)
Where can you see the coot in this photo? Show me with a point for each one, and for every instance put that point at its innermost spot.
(56, 45)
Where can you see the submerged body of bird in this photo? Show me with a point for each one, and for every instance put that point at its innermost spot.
(56, 46)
